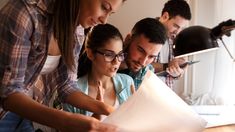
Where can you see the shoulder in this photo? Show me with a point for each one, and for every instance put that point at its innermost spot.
(83, 83)
(123, 85)
(123, 78)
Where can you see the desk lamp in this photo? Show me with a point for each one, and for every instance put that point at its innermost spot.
(198, 39)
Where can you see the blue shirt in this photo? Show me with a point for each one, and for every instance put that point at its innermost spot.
(122, 85)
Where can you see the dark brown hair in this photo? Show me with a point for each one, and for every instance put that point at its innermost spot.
(65, 21)
(177, 7)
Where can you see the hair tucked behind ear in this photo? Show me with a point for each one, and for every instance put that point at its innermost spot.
(96, 38)
(65, 21)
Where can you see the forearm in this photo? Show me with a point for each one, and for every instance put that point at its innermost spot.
(82, 101)
(30, 109)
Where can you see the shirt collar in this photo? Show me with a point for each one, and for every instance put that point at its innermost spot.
(44, 5)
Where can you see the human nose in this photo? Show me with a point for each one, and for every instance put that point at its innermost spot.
(177, 30)
(143, 61)
(115, 60)
(103, 19)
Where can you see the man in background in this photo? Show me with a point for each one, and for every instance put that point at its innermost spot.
(175, 16)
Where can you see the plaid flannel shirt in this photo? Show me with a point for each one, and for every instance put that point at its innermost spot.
(25, 30)
(169, 80)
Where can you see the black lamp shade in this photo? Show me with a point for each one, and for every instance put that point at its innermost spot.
(192, 40)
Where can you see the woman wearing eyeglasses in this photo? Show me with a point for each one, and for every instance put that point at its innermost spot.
(98, 65)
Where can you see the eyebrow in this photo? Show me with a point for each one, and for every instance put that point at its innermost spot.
(146, 52)
(106, 50)
(176, 25)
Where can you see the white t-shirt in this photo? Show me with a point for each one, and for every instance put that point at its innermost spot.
(51, 64)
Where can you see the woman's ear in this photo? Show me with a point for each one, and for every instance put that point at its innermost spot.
(90, 54)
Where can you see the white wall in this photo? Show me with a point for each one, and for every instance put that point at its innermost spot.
(212, 79)
(134, 10)
(202, 73)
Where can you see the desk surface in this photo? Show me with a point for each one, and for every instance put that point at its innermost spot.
(228, 128)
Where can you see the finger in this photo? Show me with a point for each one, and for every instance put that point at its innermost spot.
(103, 127)
(98, 96)
(181, 60)
(132, 89)
(100, 88)
(100, 92)
(174, 72)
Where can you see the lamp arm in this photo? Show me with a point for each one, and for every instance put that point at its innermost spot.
(230, 54)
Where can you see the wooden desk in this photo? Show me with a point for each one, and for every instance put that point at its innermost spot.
(228, 128)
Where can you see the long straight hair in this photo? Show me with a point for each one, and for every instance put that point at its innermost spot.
(65, 21)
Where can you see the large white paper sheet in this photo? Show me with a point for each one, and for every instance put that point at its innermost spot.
(155, 108)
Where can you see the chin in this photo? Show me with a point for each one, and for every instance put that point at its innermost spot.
(134, 70)
(111, 74)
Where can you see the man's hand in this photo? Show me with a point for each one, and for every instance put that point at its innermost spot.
(174, 68)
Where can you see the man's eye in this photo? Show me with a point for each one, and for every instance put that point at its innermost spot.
(140, 50)
(152, 57)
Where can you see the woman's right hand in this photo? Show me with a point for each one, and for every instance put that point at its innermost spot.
(61, 120)
(100, 92)
(100, 97)
(81, 123)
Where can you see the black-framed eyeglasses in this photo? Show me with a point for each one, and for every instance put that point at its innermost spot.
(109, 57)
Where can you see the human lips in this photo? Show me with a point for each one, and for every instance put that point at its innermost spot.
(114, 69)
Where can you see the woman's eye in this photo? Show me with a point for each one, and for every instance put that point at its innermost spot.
(109, 55)
(105, 6)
